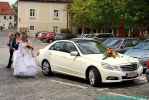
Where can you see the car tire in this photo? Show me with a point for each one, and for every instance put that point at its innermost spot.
(94, 77)
(46, 68)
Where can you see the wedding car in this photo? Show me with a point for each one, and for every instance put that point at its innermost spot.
(88, 59)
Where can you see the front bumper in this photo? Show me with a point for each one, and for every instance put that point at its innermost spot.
(110, 76)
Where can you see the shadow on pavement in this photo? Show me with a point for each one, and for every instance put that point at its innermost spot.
(124, 84)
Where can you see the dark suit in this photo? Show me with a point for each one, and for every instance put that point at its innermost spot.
(12, 45)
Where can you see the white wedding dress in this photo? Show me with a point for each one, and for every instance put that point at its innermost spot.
(23, 62)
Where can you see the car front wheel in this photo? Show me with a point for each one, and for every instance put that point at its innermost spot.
(94, 77)
(46, 68)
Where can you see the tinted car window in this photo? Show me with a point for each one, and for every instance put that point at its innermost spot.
(131, 42)
(59, 46)
(69, 47)
(142, 45)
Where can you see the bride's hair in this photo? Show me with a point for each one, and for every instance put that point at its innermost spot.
(24, 37)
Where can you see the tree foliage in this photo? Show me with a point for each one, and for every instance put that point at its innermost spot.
(105, 14)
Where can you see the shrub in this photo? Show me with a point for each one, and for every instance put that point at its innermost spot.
(65, 30)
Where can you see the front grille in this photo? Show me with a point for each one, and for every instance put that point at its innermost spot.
(125, 77)
(131, 67)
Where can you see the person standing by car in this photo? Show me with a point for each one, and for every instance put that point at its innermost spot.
(24, 62)
(12, 46)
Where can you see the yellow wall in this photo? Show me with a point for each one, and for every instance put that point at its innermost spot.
(44, 19)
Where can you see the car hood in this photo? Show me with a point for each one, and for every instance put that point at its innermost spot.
(119, 60)
(138, 53)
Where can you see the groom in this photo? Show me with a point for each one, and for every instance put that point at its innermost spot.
(12, 46)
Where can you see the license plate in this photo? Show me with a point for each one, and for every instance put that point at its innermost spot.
(132, 74)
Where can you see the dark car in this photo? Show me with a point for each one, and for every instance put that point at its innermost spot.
(60, 36)
(104, 35)
(120, 44)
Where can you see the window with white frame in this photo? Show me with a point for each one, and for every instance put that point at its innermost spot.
(55, 29)
(56, 13)
(32, 27)
(32, 12)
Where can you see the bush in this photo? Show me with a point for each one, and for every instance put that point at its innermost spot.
(65, 30)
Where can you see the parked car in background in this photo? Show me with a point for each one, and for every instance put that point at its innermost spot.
(140, 51)
(104, 35)
(120, 44)
(36, 34)
(50, 36)
(41, 36)
(98, 36)
(87, 58)
(60, 36)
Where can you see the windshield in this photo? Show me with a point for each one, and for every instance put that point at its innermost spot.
(113, 43)
(143, 46)
(91, 47)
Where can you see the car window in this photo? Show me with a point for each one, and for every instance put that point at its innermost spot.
(142, 45)
(59, 46)
(130, 42)
(91, 47)
(69, 47)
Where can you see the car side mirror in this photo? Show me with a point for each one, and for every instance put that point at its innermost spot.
(74, 53)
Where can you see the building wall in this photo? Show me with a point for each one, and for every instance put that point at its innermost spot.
(44, 19)
(7, 23)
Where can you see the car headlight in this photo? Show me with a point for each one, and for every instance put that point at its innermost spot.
(110, 67)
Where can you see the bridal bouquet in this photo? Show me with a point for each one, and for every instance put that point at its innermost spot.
(110, 53)
(29, 46)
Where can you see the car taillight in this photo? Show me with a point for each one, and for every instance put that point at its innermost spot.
(147, 63)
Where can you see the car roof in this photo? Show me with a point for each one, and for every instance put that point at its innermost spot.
(77, 40)
(122, 38)
(82, 39)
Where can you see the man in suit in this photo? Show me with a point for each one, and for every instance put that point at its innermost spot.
(12, 46)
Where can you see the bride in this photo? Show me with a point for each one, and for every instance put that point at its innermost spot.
(24, 63)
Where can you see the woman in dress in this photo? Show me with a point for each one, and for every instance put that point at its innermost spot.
(24, 62)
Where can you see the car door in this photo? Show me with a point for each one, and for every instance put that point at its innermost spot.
(56, 59)
(72, 64)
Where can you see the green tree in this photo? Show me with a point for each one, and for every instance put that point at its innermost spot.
(15, 8)
(107, 14)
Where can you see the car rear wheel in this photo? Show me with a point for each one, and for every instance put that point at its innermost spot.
(94, 77)
(46, 68)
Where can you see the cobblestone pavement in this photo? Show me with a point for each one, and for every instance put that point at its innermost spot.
(57, 87)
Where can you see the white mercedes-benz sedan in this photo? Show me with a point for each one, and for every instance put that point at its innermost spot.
(88, 59)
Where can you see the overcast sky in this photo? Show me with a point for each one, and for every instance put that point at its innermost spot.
(10, 1)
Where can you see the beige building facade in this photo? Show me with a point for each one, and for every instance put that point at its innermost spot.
(42, 16)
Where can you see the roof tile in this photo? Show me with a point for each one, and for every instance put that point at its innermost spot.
(5, 9)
